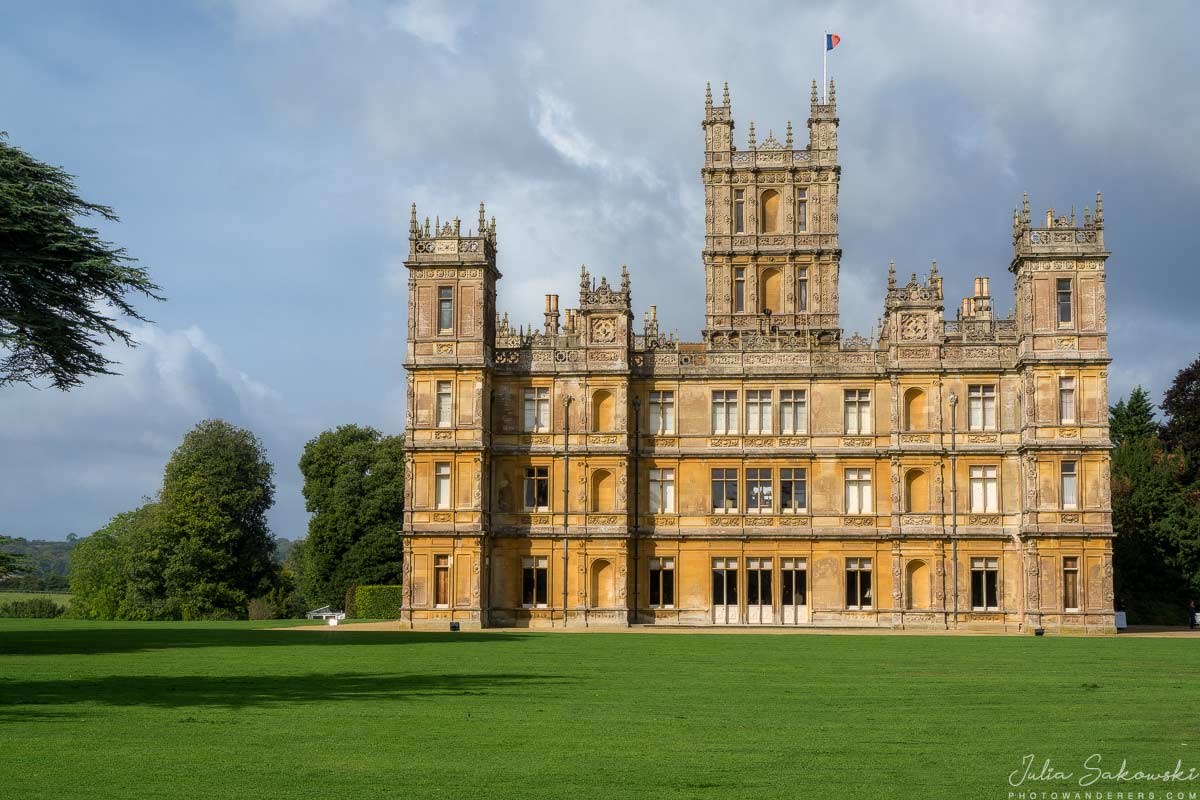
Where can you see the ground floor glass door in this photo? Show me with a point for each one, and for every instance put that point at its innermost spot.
(759, 597)
(793, 594)
(725, 591)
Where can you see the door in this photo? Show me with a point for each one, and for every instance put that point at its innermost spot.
(759, 596)
(725, 591)
(441, 590)
(793, 590)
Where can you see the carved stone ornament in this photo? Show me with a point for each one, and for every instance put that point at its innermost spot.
(604, 330)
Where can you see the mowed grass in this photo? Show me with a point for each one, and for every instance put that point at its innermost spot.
(225, 710)
(62, 598)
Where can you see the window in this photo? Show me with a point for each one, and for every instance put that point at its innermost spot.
(534, 582)
(445, 403)
(1070, 492)
(801, 210)
(739, 289)
(794, 575)
(445, 309)
(662, 491)
(1066, 399)
(793, 490)
(739, 211)
(858, 583)
(724, 412)
(758, 582)
(759, 495)
(793, 411)
(537, 488)
(758, 411)
(1064, 301)
(858, 411)
(984, 581)
(662, 413)
(858, 491)
(984, 497)
(981, 407)
(1070, 583)
(662, 583)
(441, 581)
(802, 290)
(441, 484)
(724, 491)
(724, 574)
(537, 409)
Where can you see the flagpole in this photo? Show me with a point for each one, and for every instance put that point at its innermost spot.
(824, 65)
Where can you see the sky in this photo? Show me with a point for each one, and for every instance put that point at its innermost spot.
(263, 156)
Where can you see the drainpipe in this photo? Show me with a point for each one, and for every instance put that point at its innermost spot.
(637, 441)
(566, 494)
(954, 498)
(487, 620)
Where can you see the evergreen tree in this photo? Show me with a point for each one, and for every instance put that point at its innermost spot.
(1181, 405)
(1133, 419)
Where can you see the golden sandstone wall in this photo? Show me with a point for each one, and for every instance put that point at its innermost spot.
(954, 473)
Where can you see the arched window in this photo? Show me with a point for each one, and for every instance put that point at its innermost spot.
(602, 491)
(916, 492)
(769, 299)
(602, 411)
(915, 416)
(768, 213)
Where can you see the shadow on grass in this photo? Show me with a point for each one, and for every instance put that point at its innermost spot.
(158, 636)
(236, 691)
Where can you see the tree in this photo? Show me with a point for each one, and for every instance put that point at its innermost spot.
(354, 487)
(1181, 405)
(1133, 419)
(9, 561)
(62, 288)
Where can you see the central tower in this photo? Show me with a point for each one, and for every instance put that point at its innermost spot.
(771, 252)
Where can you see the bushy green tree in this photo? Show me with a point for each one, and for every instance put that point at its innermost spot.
(1181, 405)
(63, 290)
(1132, 419)
(354, 487)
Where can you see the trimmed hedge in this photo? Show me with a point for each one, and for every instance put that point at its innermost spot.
(33, 608)
(378, 602)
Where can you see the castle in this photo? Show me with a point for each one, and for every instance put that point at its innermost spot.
(944, 474)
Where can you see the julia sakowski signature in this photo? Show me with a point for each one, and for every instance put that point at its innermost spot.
(1093, 772)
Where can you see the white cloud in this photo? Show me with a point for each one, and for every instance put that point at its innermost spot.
(436, 23)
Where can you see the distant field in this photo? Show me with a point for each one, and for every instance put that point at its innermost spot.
(219, 710)
(60, 598)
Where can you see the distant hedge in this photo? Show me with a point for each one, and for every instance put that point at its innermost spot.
(378, 602)
(33, 608)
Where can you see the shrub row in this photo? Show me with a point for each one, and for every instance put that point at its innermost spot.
(377, 602)
(33, 608)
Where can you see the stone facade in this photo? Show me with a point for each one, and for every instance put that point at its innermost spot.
(942, 473)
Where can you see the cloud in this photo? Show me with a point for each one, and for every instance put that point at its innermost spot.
(435, 23)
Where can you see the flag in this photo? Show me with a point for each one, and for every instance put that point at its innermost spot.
(831, 41)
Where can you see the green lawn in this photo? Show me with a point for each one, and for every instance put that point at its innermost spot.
(222, 710)
(62, 598)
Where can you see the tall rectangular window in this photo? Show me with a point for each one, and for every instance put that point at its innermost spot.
(445, 309)
(534, 581)
(662, 583)
(758, 582)
(858, 491)
(1070, 583)
(1070, 488)
(858, 411)
(445, 404)
(985, 574)
(724, 412)
(1065, 304)
(801, 210)
(537, 409)
(725, 491)
(802, 291)
(1066, 399)
(793, 411)
(758, 411)
(441, 484)
(441, 581)
(984, 495)
(793, 490)
(662, 491)
(981, 407)
(739, 289)
(858, 583)
(794, 577)
(537, 488)
(662, 413)
(739, 211)
(760, 497)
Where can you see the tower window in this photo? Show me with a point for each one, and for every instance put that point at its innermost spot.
(802, 210)
(984, 494)
(802, 291)
(858, 411)
(793, 411)
(739, 211)
(1070, 489)
(758, 411)
(445, 403)
(981, 407)
(1066, 399)
(445, 309)
(537, 409)
(441, 485)
(662, 412)
(724, 412)
(1070, 583)
(858, 491)
(739, 289)
(1064, 301)
(537, 488)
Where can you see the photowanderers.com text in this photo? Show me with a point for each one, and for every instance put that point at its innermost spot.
(1096, 781)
